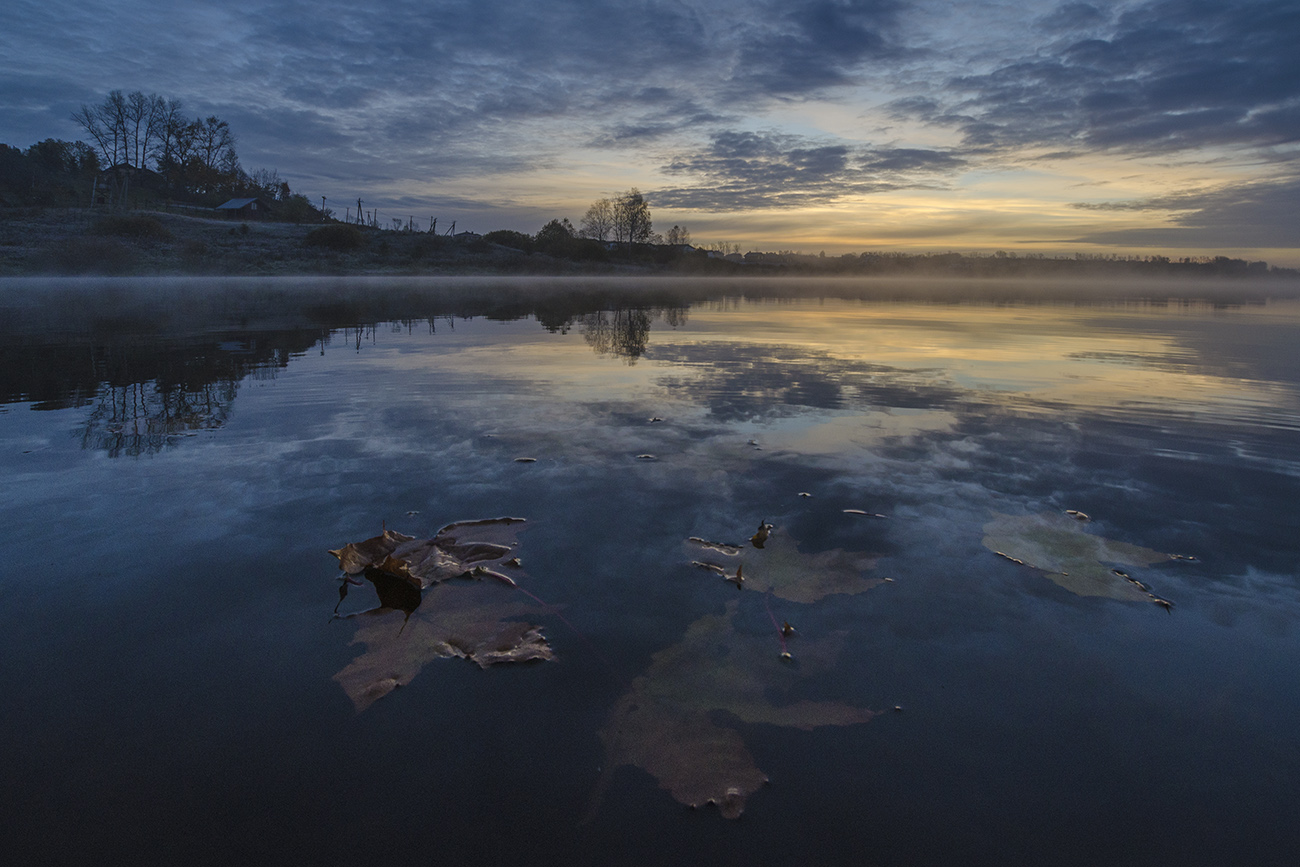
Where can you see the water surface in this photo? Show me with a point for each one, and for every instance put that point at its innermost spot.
(176, 465)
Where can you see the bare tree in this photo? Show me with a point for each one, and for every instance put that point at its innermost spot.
(171, 138)
(599, 220)
(265, 182)
(141, 117)
(106, 124)
(125, 128)
(213, 140)
(632, 218)
(214, 150)
(678, 236)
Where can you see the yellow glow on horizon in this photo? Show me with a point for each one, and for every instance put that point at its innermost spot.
(1033, 207)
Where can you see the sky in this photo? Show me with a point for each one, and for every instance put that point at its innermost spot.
(1152, 127)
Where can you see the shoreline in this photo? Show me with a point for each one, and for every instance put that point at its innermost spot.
(52, 242)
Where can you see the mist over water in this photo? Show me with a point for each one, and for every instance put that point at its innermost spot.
(180, 455)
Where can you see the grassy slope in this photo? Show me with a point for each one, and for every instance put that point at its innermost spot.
(56, 241)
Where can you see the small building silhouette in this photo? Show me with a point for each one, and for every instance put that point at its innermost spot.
(244, 209)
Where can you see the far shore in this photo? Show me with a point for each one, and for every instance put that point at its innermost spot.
(57, 242)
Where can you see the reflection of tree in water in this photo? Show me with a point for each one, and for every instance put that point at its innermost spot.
(144, 417)
(144, 402)
(625, 333)
(145, 393)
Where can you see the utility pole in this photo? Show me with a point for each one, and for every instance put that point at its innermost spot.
(323, 218)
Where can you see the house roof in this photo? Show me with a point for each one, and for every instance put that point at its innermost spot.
(236, 204)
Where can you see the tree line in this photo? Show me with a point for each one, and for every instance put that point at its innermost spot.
(142, 149)
(623, 221)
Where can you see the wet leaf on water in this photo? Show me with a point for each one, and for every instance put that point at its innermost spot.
(421, 617)
(784, 570)
(456, 550)
(720, 547)
(1069, 555)
(669, 722)
(471, 621)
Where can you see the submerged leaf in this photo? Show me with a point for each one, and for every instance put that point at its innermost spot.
(1070, 556)
(667, 724)
(414, 625)
(788, 573)
(468, 621)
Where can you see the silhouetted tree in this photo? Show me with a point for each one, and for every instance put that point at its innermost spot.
(632, 218)
(555, 238)
(598, 222)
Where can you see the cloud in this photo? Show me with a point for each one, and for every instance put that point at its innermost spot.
(744, 170)
(1070, 17)
(1162, 77)
(738, 381)
(1259, 215)
(802, 47)
(411, 82)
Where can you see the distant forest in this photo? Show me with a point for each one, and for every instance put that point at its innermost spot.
(145, 153)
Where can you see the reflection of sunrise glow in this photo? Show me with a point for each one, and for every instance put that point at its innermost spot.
(838, 377)
(1041, 354)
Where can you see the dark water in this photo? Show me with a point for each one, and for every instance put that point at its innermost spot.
(176, 463)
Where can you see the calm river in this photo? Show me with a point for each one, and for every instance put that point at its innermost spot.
(871, 574)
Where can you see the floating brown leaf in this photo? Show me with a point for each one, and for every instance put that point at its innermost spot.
(457, 549)
(666, 723)
(1063, 549)
(788, 573)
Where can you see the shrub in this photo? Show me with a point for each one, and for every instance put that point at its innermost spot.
(339, 237)
(88, 256)
(142, 227)
(510, 238)
(429, 247)
(194, 254)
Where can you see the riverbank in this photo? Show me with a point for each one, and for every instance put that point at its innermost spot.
(56, 241)
(81, 242)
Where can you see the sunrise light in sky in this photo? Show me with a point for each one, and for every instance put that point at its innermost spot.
(1147, 127)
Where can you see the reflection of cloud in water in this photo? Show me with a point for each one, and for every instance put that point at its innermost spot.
(750, 381)
(1046, 361)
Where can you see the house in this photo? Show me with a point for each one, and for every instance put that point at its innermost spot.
(124, 183)
(244, 209)
(466, 237)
